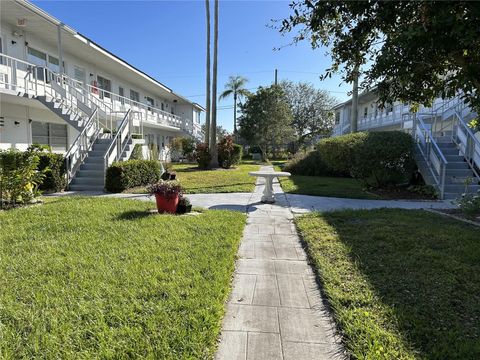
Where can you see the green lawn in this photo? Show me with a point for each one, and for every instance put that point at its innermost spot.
(402, 284)
(325, 186)
(92, 278)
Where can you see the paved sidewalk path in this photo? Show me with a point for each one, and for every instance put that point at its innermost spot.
(275, 310)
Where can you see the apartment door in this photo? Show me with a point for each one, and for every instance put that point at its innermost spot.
(79, 74)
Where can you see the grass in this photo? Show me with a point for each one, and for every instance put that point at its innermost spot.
(92, 278)
(402, 284)
(325, 186)
(196, 181)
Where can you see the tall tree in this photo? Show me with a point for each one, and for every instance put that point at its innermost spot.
(311, 110)
(213, 125)
(266, 119)
(207, 107)
(412, 50)
(235, 86)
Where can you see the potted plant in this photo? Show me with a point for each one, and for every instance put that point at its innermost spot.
(184, 205)
(166, 194)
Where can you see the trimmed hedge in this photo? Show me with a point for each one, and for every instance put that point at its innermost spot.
(127, 174)
(53, 166)
(309, 164)
(376, 158)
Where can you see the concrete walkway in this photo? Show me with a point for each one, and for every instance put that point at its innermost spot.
(275, 310)
(299, 204)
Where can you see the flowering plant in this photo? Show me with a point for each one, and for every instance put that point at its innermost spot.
(168, 189)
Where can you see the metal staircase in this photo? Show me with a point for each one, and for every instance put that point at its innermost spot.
(104, 134)
(447, 151)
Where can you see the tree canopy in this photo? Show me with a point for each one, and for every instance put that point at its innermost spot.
(410, 50)
(311, 110)
(266, 118)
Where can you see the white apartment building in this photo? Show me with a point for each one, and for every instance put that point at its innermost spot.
(447, 150)
(59, 88)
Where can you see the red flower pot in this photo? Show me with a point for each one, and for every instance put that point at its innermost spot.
(166, 204)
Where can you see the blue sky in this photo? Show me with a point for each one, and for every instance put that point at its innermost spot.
(166, 39)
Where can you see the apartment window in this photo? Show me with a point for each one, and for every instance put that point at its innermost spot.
(150, 102)
(79, 74)
(337, 118)
(104, 84)
(163, 106)
(37, 57)
(121, 92)
(365, 111)
(54, 135)
(134, 95)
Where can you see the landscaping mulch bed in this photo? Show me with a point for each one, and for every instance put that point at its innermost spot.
(457, 213)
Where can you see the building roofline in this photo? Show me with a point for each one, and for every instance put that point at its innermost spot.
(37, 10)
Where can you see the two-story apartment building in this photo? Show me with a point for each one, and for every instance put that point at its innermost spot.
(447, 150)
(53, 80)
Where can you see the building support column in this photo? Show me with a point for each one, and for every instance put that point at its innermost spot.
(60, 49)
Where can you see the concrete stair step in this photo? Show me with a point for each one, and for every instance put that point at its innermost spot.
(92, 166)
(88, 181)
(456, 165)
(94, 160)
(460, 188)
(90, 173)
(453, 158)
(74, 187)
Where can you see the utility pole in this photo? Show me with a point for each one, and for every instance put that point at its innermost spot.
(276, 76)
(354, 115)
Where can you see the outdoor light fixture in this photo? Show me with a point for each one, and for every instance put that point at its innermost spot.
(16, 123)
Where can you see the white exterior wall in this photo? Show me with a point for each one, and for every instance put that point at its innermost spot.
(19, 136)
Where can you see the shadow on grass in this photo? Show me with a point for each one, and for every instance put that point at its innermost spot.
(136, 214)
(423, 269)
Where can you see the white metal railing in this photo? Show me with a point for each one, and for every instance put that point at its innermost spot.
(120, 140)
(23, 77)
(82, 145)
(466, 141)
(149, 113)
(431, 153)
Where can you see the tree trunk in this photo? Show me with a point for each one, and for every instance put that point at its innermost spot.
(354, 114)
(208, 101)
(235, 113)
(213, 131)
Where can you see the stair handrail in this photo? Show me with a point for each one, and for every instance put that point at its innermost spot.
(119, 141)
(431, 152)
(79, 149)
(469, 147)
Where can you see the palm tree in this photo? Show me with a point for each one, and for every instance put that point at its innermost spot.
(236, 86)
(213, 125)
(207, 107)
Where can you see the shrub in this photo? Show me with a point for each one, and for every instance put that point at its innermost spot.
(53, 166)
(309, 164)
(203, 156)
(127, 174)
(384, 158)
(338, 152)
(19, 176)
(229, 153)
(137, 153)
(469, 204)
(188, 147)
(376, 158)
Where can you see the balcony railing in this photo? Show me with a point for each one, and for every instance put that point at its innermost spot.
(21, 77)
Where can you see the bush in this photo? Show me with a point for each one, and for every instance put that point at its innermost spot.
(376, 158)
(53, 166)
(469, 204)
(19, 176)
(188, 147)
(338, 152)
(203, 156)
(309, 164)
(127, 174)
(229, 153)
(137, 153)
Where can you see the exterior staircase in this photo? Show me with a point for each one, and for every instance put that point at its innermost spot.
(91, 175)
